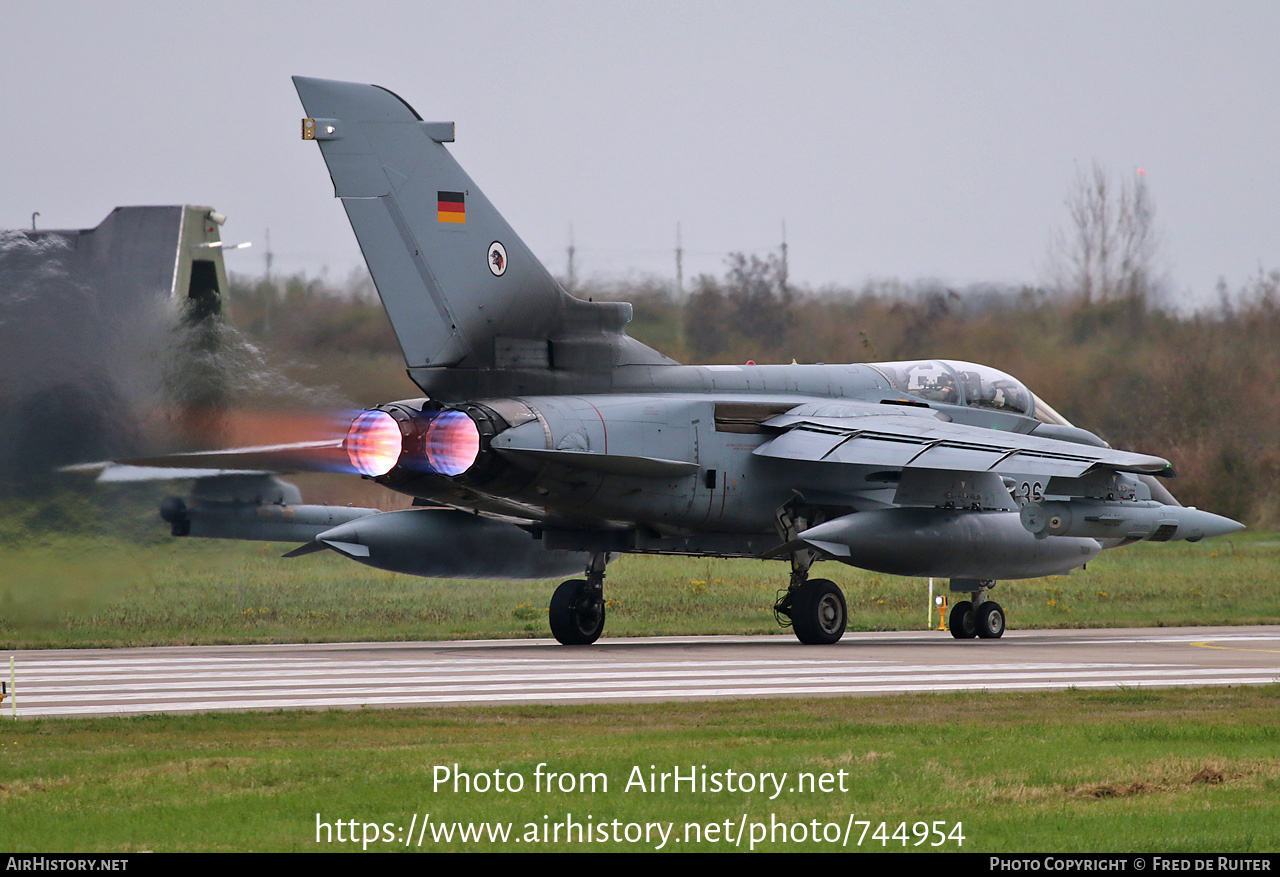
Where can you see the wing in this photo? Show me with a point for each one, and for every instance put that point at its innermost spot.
(317, 456)
(899, 442)
(952, 513)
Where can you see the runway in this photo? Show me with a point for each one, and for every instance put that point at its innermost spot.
(354, 675)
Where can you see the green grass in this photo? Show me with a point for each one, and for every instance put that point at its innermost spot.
(103, 590)
(1168, 771)
(1180, 770)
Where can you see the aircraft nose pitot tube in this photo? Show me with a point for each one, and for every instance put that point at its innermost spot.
(1097, 519)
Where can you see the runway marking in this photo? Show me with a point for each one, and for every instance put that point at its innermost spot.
(641, 680)
(1204, 644)
(1189, 638)
(692, 694)
(600, 671)
(461, 663)
(320, 676)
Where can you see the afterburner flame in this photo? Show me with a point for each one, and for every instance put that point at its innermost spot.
(373, 443)
(452, 443)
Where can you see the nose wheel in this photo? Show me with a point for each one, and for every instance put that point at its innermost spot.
(988, 620)
(961, 621)
(985, 620)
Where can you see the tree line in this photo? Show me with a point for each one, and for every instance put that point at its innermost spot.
(1096, 340)
(1198, 388)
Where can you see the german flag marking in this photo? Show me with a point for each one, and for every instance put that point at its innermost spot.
(451, 207)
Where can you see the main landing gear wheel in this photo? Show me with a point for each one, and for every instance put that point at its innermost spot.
(962, 620)
(577, 613)
(818, 612)
(988, 620)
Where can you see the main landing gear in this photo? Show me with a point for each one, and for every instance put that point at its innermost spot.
(978, 616)
(814, 608)
(577, 606)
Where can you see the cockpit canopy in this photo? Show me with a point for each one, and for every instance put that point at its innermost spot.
(959, 383)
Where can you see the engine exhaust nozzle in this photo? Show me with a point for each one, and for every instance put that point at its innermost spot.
(444, 442)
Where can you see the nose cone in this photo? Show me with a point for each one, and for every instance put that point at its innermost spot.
(1206, 525)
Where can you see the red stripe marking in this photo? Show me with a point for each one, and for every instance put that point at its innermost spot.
(603, 425)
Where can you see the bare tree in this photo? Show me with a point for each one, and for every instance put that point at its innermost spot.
(1108, 251)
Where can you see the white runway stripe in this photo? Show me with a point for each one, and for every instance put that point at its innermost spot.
(655, 678)
(639, 695)
(533, 687)
(528, 671)
(351, 676)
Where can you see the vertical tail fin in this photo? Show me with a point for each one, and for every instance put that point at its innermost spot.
(460, 287)
(451, 272)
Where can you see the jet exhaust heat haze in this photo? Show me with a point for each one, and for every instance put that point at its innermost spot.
(548, 441)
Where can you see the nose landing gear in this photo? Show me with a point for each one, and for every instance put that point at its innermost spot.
(977, 617)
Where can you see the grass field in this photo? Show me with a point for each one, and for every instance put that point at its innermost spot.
(1170, 771)
(1164, 771)
(108, 590)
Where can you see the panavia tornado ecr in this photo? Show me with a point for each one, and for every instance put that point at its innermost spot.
(547, 440)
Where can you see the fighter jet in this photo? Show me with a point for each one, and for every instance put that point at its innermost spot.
(547, 441)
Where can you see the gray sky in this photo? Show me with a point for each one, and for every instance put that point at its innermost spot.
(895, 139)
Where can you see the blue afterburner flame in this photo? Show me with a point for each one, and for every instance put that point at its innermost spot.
(443, 443)
(451, 443)
(374, 443)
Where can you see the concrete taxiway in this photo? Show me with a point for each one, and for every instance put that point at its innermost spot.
(354, 675)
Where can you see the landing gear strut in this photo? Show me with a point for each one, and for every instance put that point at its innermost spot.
(978, 616)
(814, 608)
(577, 606)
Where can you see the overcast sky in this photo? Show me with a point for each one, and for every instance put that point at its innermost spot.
(900, 140)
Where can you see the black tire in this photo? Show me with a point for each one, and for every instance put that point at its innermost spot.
(819, 613)
(961, 621)
(988, 620)
(576, 614)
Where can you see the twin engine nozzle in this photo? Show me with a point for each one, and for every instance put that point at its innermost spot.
(441, 442)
